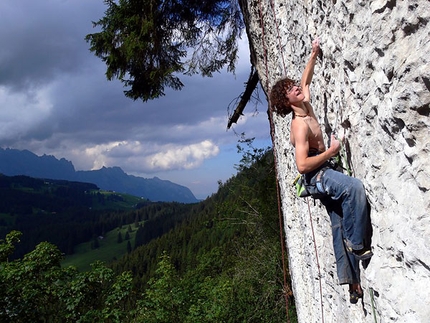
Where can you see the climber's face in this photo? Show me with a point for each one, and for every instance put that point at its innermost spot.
(292, 86)
(294, 93)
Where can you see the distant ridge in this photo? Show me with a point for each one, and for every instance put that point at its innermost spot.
(24, 162)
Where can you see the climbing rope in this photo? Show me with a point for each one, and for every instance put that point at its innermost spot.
(372, 299)
(272, 5)
(272, 134)
(264, 47)
(309, 209)
(317, 260)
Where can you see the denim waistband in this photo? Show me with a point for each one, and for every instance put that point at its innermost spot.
(311, 174)
(313, 152)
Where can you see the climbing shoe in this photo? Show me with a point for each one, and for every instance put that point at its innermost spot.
(362, 254)
(354, 296)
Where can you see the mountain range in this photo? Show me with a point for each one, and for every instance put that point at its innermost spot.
(24, 162)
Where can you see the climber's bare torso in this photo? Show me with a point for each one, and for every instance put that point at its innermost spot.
(309, 124)
(306, 136)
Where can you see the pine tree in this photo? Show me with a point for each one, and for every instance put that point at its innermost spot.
(145, 43)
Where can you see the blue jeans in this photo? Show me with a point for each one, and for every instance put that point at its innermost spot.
(348, 269)
(349, 192)
(345, 200)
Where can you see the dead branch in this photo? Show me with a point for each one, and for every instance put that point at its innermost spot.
(244, 99)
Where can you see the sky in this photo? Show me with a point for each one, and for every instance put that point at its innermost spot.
(56, 100)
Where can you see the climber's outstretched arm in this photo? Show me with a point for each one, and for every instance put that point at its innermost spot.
(309, 70)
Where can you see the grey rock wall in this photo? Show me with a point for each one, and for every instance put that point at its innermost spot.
(372, 84)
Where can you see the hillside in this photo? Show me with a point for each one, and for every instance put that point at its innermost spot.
(216, 261)
(23, 162)
(227, 245)
(62, 212)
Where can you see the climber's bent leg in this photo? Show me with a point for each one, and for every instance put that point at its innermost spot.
(348, 270)
(351, 195)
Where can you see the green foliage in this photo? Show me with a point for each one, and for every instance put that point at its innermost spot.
(195, 298)
(30, 287)
(251, 155)
(212, 289)
(97, 296)
(37, 289)
(163, 298)
(144, 43)
(7, 246)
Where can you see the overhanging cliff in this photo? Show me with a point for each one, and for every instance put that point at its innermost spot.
(372, 83)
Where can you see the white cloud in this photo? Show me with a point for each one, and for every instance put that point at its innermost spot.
(137, 157)
(183, 157)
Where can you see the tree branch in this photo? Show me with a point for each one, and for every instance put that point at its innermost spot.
(245, 97)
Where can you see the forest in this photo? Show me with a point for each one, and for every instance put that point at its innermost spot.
(219, 260)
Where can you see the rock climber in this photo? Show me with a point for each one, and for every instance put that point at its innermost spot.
(343, 196)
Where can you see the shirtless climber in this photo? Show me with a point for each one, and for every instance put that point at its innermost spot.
(343, 196)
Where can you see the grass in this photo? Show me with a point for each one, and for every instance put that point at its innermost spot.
(109, 249)
(119, 201)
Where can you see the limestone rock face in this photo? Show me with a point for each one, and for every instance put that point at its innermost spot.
(372, 83)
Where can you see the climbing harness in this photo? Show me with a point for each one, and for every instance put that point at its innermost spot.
(305, 189)
(342, 157)
(301, 189)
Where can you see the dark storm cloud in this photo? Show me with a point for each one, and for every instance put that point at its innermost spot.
(55, 99)
(42, 39)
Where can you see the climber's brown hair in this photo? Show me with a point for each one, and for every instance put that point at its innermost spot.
(278, 96)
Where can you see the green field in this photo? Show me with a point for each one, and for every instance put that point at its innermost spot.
(119, 201)
(109, 249)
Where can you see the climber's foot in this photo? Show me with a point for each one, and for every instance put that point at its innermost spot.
(362, 254)
(355, 293)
